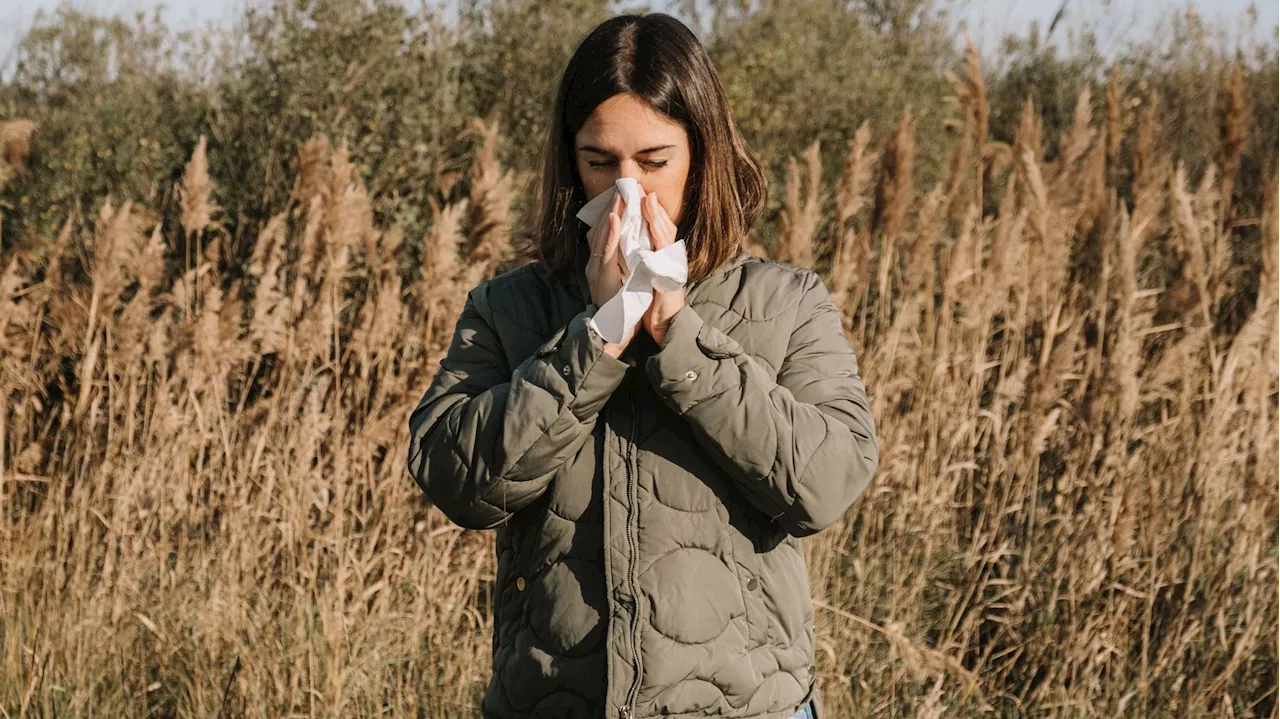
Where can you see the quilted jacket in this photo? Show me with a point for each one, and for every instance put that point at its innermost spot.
(649, 510)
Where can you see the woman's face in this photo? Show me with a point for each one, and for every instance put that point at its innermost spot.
(625, 137)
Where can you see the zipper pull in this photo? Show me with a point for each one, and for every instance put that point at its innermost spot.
(626, 712)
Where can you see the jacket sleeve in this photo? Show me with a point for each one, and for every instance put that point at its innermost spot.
(801, 448)
(486, 441)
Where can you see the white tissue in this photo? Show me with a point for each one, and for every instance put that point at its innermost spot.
(667, 269)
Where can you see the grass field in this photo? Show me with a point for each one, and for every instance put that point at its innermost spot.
(204, 507)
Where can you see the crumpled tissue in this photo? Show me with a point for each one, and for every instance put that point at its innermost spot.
(665, 270)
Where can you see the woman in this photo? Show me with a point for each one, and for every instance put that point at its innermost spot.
(649, 494)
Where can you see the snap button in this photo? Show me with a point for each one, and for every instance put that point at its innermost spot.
(565, 371)
(520, 584)
(753, 584)
(691, 375)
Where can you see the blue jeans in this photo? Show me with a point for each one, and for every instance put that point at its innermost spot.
(805, 712)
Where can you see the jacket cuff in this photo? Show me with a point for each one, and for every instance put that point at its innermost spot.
(577, 354)
(696, 364)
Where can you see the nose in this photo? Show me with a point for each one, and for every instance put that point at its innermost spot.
(631, 169)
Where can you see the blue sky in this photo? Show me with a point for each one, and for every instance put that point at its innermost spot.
(1119, 21)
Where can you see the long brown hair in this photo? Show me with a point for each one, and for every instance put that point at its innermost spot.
(657, 59)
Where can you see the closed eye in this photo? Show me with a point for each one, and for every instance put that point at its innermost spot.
(648, 163)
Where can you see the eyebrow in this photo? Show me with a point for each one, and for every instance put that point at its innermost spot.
(600, 151)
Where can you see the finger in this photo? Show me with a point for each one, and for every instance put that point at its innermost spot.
(652, 212)
(593, 237)
(619, 259)
(647, 212)
(612, 233)
(598, 238)
(665, 220)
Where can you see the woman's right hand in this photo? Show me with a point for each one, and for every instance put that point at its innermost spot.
(605, 269)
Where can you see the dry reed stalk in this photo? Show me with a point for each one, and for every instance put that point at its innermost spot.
(896, 195)
(268, 325)
(1144, 144)
(338, 226)
(1030, 134)
(118, 235)
(1269, 225)
(383, 308)
(1079, 137)
(135, 321)
(851, 256)
(196, 192)
(310, 255)
(445, 281)
(1131, 235)
(800, 218)
(490, 202)
(1269, 297)
(921, 270)
(970, 100)
(1198, 232)
(1247, 376)
(1007, 253)
(342, 173)
(351, 221)
(1235, 116)
(966, 287)
(1113, 130)
(898, 187)
(1048, 256)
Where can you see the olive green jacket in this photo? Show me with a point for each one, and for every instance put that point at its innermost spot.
(648, 509)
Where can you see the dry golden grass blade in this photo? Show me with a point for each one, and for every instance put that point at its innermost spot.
(790, 208)
(920, 249)
(898, 185)
(1270, 231)
(196, 192)
(268, 325)
(444, 280)
(800, 217)
(1192, 233)
(136, 320)
(1235, 117)
(1078, 138)
(970, 99)
(1144, 144)
(490, 202)
(855, 180)
(1030, 135)
(897, 191)
(851, 258)
(1113, 130)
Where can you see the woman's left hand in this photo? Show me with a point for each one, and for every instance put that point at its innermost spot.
(662, 232)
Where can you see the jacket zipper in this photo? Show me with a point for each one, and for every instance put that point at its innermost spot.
(628, 709)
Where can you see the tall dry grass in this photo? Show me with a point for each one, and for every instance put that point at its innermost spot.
(204, 509)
